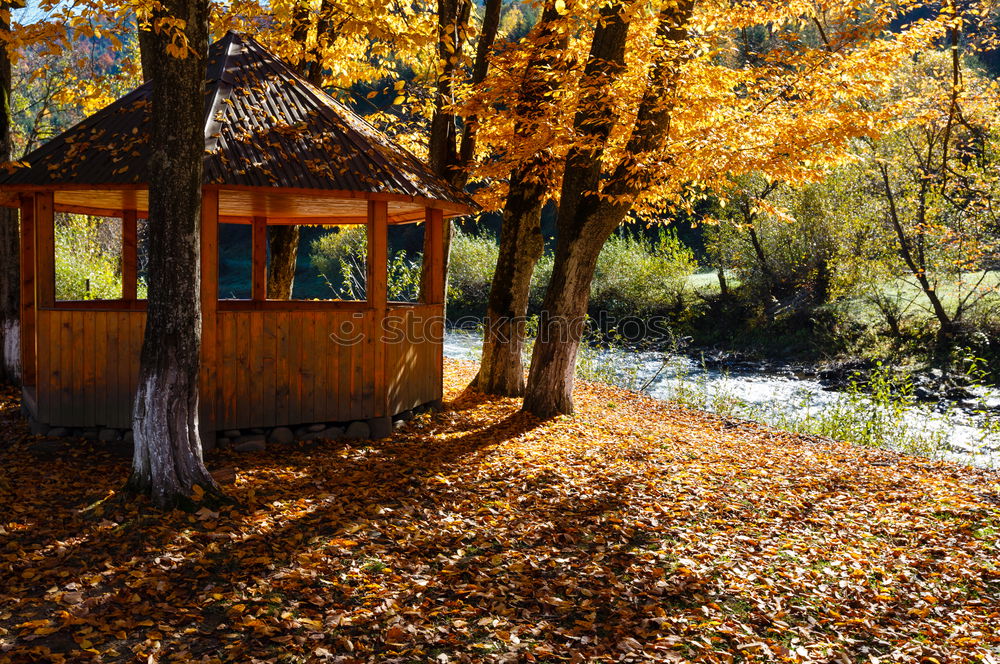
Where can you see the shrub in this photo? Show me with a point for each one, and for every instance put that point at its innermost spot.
(88, 259)
(638, 276)
(340, 257)
(472, 262)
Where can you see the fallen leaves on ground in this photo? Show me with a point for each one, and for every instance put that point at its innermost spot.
(632, 531)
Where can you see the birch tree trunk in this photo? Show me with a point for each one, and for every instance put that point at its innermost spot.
(10, 259)
(168, 464)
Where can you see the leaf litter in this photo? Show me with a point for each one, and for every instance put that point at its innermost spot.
(632, 531)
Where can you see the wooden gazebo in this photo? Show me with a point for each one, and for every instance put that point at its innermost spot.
(277, 151)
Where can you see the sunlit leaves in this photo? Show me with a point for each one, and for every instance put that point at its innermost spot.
(632, 531)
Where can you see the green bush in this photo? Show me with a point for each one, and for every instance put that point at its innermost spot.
(638, 276)
(472, 262)
(88, 259)
(341, 256)
(635, 275)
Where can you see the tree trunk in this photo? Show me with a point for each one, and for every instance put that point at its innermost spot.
(580, 238)
(283, 242)
(915, 264)
(563, 321)
(588, 214)
(10, 259)
(168, 464)
(501, 370)
(723, 282)
(446, 157)
(325, 34)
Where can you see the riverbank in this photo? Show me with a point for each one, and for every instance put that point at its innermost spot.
(631, 531)
(877, 411)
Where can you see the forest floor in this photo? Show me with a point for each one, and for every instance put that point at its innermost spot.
(632, 531)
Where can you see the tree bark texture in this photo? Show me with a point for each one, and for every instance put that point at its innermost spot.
(589, 214)
(501, 370)
(10, 259)
(167, 463)
(283, 242)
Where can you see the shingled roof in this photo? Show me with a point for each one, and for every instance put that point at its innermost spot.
(265, 127)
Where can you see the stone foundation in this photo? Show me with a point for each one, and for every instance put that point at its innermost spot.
(255, 440)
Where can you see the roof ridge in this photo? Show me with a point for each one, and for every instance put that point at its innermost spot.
(223, 90)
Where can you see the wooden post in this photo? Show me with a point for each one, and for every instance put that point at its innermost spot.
(208, 389)
(130, 250)
(376, 292)
(435, 291)
(45, 250)
(28, 373)
(434, 252)
(259, 259)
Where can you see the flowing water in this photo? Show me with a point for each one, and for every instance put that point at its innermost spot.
(968, 432)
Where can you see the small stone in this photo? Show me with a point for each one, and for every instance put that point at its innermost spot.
(59, 432)
(232, 433)
(281, 436)
(90, 434)
(250, 444)
(380, 427)
(316, 428)
(331, 433)
(358, 431)
(39, 428)
(108, 435)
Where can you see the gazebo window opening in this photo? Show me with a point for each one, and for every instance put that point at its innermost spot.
(235, 261)
(91, 259)
(405, 261)
(338, 263)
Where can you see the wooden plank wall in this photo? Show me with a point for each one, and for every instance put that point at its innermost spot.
(88, 364)
(294, 367)
(274, 367)
(413, 363)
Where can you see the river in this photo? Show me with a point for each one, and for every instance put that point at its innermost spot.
(968, 432)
